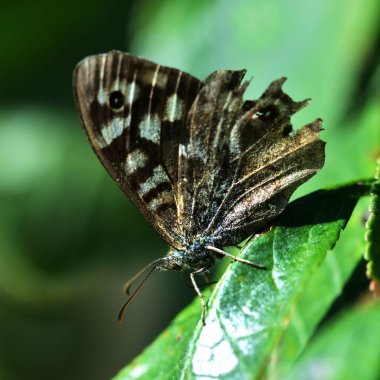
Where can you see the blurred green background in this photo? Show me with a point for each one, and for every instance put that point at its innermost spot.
(68, 236)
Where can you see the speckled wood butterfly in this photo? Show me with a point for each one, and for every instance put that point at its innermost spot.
(205, 167)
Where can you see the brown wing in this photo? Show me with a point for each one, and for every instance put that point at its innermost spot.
(241, 160)
(134, 114)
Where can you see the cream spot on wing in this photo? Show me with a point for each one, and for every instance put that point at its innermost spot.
(159, 176)
(150, 128)
(174, 108)
(160, 199)
(132, 92)
(102, 96)
(158, 79)
(136, 160)
(113, 130)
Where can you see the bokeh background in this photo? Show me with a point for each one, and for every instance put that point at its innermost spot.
(68, 236)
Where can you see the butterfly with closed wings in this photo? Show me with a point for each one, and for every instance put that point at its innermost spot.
(206, 168)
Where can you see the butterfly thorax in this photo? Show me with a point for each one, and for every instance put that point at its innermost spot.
(193, 257)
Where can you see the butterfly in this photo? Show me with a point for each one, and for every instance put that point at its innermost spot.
(206, 168)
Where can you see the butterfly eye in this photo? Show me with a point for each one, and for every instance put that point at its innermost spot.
(116, 100)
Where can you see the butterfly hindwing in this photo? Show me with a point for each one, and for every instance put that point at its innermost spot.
(134, 113)
(241, 160)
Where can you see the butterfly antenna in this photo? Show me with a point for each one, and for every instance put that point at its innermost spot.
(122, 311)
(130, 282)
(234, 258)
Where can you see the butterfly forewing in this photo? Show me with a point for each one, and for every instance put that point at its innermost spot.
(134, 112)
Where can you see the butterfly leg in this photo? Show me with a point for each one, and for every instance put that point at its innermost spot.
(234, 258)
(192, 277)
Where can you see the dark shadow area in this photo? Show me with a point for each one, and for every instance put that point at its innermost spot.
(364, 86)
(320, 206)
(355, 289)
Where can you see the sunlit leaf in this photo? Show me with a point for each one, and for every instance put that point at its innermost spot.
(324, 286)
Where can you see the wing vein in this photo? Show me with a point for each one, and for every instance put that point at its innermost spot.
(234, 184)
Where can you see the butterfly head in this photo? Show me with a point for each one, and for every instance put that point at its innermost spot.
(196, 256)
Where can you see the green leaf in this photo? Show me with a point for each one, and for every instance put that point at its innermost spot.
(372, 253)
(324, 286)
(335, 353)
(249, 310)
